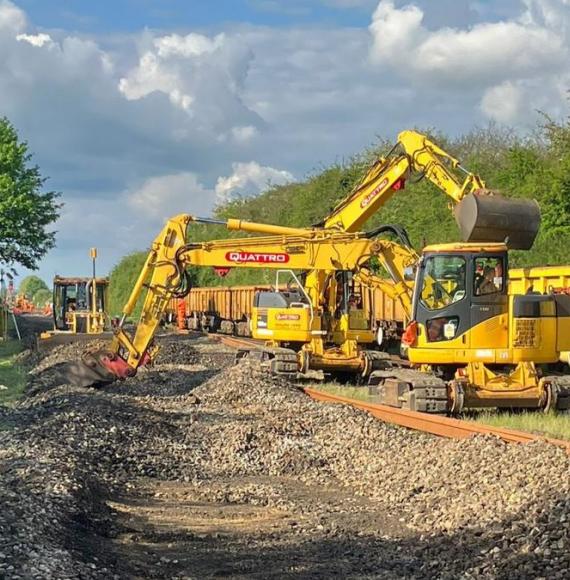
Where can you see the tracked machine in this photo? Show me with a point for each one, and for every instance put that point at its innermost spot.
(473, 340)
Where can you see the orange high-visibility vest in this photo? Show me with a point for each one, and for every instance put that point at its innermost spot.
(181, 314)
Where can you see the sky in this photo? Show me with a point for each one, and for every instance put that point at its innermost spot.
(137, 110)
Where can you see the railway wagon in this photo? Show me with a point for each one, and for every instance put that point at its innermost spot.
(227, 310)
(224, 309)
(541, 279)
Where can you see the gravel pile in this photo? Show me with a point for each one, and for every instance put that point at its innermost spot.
(393, 503)
(514, 499)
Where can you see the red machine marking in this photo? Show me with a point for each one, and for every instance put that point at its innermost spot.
(251, 257)
(366, 201)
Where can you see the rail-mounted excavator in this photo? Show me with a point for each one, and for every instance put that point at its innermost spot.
(294, 317)
(471, 329)
(315, 320)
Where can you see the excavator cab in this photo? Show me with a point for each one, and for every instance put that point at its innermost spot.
(351, 320)
(73, 308)
(284, 313)
(460, 303)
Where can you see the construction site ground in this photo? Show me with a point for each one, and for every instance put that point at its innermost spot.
(197, 468)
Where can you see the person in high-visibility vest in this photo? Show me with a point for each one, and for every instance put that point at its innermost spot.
(181, 314)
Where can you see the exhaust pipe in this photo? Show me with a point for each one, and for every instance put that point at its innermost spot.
(493, 218)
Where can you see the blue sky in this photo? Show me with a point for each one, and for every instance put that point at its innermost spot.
(141, 109)
(112, 16)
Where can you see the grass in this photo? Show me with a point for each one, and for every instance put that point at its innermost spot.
(12, 374)
(548, 424)
(350, 391)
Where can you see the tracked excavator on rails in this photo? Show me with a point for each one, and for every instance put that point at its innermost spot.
(308, 327)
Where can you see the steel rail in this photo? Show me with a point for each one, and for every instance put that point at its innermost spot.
(434, 424)
(237, 342)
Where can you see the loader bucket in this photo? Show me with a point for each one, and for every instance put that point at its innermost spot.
(493, 218)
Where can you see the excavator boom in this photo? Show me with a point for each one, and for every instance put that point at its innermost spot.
(482, 215)
(164, 276)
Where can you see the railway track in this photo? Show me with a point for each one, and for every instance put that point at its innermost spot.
(434, 424)
(243, 342)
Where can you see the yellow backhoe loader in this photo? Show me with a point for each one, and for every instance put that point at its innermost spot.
(79, 310)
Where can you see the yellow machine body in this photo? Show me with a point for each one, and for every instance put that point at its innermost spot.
(76, 308)
(473, 324)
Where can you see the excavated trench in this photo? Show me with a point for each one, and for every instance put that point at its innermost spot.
(197, 468)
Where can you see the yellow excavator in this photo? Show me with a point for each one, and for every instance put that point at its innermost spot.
(311, 326)
(471, 330)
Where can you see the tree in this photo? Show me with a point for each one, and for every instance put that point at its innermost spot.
(25, 211)
(30, 285)
(42, 297)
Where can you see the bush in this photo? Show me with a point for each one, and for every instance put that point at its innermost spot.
(42, 297)
(121, 281)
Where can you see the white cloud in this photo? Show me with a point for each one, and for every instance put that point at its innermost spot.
(161, 197)
(250, 178)
(203, 76)
(11, 17)
(38, 40)
(394, 32)
(187, 46)
(503, 102)
(499, 60)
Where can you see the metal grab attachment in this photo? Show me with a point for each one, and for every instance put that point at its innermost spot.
(96, 369)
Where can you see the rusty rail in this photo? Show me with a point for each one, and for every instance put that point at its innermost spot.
(237, 342)
(434, 424)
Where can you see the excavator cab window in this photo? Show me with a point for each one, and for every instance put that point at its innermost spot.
(443, 281)
(278, 299)
(489, 276)
(459, 291)
(81, 297)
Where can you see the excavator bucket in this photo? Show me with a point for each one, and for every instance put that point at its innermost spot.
(494, 218)
(94, 369)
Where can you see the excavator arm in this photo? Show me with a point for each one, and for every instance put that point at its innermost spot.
(481, 215)
(164, 276)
